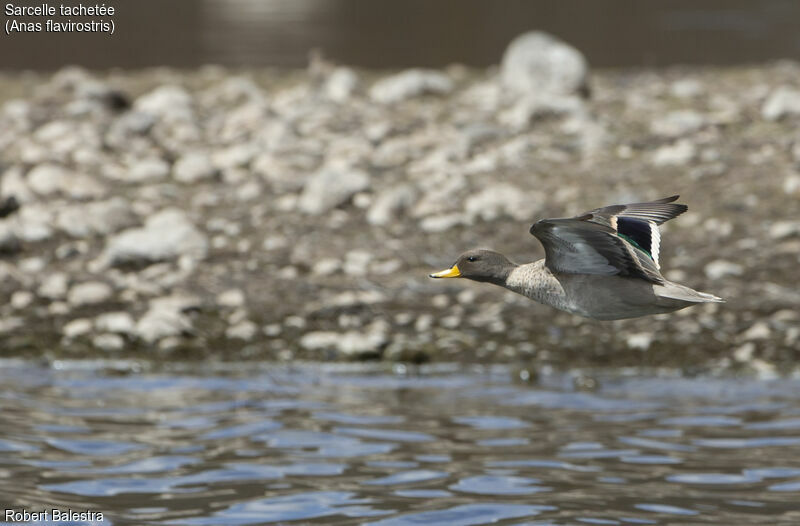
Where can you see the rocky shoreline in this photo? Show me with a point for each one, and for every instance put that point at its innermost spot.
(287, 215)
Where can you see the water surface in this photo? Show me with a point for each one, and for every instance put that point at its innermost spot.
(345, 444)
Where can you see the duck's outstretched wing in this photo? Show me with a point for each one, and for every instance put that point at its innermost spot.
(638, 222)
(615, 240)
(579, 246)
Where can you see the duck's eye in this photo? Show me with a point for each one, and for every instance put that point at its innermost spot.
(472, 258)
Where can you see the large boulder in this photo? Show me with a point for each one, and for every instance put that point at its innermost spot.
(539, 62)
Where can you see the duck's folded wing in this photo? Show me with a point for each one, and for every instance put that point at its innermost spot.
(579, 246)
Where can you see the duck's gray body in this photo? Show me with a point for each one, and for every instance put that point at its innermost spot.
(601, 297)
(602, 264)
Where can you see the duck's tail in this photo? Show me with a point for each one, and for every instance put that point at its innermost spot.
(682, 293)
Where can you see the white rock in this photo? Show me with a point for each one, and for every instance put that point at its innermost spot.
(341, 84)
(166, 102)
(272, 329)
(9, 241)
(46, 179)
(326, 266)
(89, 293)
(783, 102)
(758, 331)
(677, 123)
(231, 298)
(538, 62)
(11, 323)
(441, 223)
(331, 187)
(32, 265)
(13, 183)
(686, 88)
(639, 340)
(76, 328)
(720, 268)
(119, 322)
(158, 323)
(528, 107)
(410, 83)
(166, 235)
(32, 222)
(244, 330)
(356, 262)
(390, 203)
(501, 200)
(234, 156)
(319, 340)
(390, 266)
(54, 286)
(678, 154)
(791, 184)
(21, 299)
(249, 191)
(149, 169)
(744, 353)
(783, 229)
(350, 343)
(108, 342)
(101, 217)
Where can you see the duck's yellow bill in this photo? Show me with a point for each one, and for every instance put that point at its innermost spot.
(447, 273)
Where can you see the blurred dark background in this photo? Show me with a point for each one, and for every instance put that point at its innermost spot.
(392, 34)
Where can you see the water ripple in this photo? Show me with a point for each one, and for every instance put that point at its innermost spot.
(352, 444)
(465, 515)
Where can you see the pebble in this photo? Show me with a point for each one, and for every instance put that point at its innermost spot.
(721, 268)
(21, 299)
(390, 204)
(245, 330)
(166, 235)
(410, 83)
(231, 298)
(157, 324)
(441, 223)
(100, 217)
(77, 328)
(501, 200)
(744, 353)
(192, 167)
(784, 229)
(758, 331)
(119, 322)
(679, 154)
(356, 262)
(341, 84)
(145, 170)
(686, 88)
(108, 342)
(331, 187)
(46, 179)
(639, 341)
(783, 102)
(677, 123)
(89, 293)
(326, 267)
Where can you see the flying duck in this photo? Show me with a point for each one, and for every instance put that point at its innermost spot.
(602, 264)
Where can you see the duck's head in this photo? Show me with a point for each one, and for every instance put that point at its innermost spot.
(479, 265)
